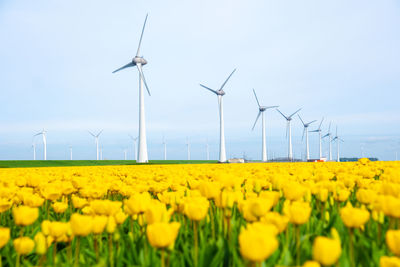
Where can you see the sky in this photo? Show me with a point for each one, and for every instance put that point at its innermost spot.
(334, 59)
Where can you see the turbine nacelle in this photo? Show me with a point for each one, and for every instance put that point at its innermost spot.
(220, 92)
(139, 60)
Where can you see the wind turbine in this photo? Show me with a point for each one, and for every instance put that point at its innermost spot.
(43, 133)
(188, 148)
(220, 93)
(70, 152)
(207, 150)
(305, 130)
(34, 150)
(125, 151)
(261, 112)
(329, 134)
(96, 140)
(139, 61)
(337, 139)
(289, 132)
(320, 137)
(165, 148)
(134, 139)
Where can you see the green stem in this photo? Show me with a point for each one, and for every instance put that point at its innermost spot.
(162, 258)
(351, 248)
(110, 250)
(18, 260)
(77, 245)
(96, 247)
(297, 245)
(54, 253)
(196, 243)
(212, 222)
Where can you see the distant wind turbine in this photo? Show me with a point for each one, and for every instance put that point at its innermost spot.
(125, 152)
(329, 135)
(134, 139)
(261, 112)
(289, 132)
(139, 61)
(43, 133)
(338, 140)
(319, 131)
(96, 140)
(70, 152)
(220, 93)
(165, 148)
(188, 148)
(305, 130)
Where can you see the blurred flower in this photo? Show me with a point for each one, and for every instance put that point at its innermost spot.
(298, 212)
(161, 235)
(24, 215)
(386, 261)
(393, 241)
(40, 243)
(81, 225)
(353, 217)
(59, 207)
(4, 236)
(23, 245)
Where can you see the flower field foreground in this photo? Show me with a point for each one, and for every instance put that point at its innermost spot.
(274, 214)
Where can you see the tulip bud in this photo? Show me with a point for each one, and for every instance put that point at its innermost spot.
(41, 245)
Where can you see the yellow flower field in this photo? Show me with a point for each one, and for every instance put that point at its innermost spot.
(260, 214)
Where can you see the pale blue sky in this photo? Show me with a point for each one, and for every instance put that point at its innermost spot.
(338, 59)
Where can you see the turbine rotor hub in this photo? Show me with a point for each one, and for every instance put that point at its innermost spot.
(221, 92)
(139, 60)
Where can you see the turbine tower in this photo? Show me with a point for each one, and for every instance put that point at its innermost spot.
(329, 134)
(220, 93)
(96, 140)
(134, 139)
(289, 132)
(338, 140)
(261, 112)
(139, 61)
(305, 130)
(320, 137)
(188, 148)
(165, 148)
(70, 152)
(43, 133)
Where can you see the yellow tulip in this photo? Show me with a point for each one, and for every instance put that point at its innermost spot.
(59, 207)
(393, 241)
(120, 217)
(210, 190)
(162, 235)
(24, 215)
(257, 243)
(4, 236)
(157, 212)
(275, 218)
(294, 191)
(326, 250)
(105, 207)
(78, 202)
(353, 217)
(298, 212)
(40, 243)
(196, 208)
(58, 230)
(81, 225)
(311, 264)
(386, 261)
(23, 245)
(99, 224)
(137, 203)
(111, 224)
(45, 226)
(5, 204)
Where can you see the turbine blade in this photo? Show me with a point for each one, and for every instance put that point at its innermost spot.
(329, 129)
(99, 133)
(259, 113)
(319, 128)
(91, 134)
(295, 112)
(227, 79)
(311, 122)
(139, 66)
(256, 97)
(282, 114)
(314, 131)
(141, 36)
(325, 135)
(37, 134)
(124, 67)
(215, 92)
(301, 120)
(271, 107)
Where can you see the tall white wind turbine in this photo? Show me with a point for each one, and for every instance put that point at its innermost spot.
(319, 131)
(139, 61)
(188, 148)
(96, 140)
(329, 135)
(289, 132)
(338, 140)
(43, 133)
(305, 130)
(134, 139)
(261, 112)
(165, 148)
(220, 93)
